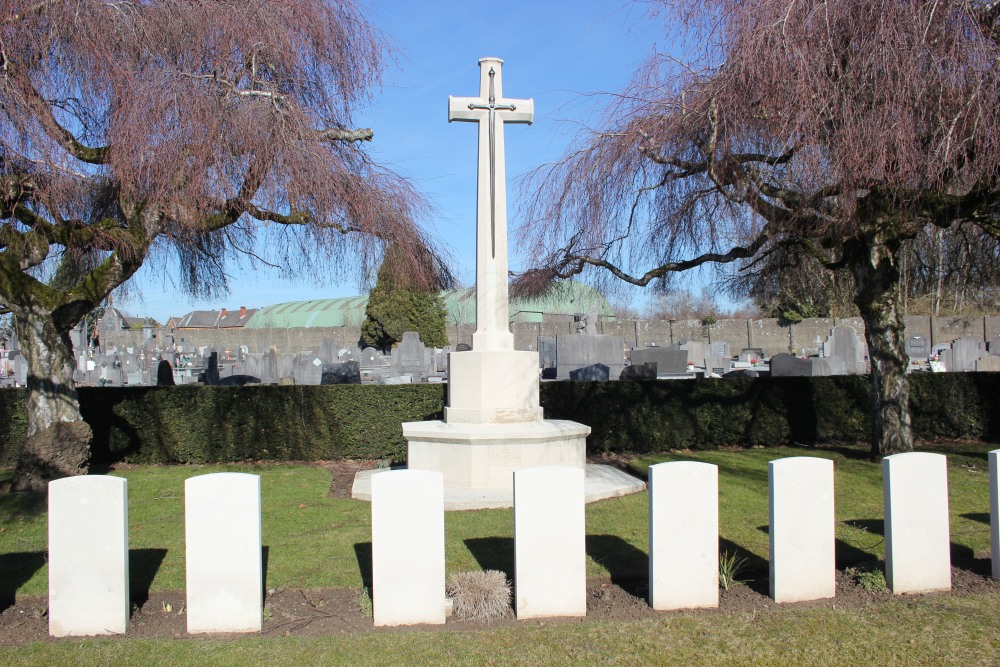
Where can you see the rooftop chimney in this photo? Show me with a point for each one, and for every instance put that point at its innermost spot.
(243, 311)
(222, 315)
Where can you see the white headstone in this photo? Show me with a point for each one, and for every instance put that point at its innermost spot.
(995, 510)
(88, 556)
(222, 539)
(408, 547)
(803, 547)
(683, 535)
(550, 571)
(917, 535)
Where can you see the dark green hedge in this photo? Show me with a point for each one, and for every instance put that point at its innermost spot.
(196, 424)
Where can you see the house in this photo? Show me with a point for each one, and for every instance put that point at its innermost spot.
(212, 319)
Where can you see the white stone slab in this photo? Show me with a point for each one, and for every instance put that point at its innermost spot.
(803, 548)
(550, 575)
(88, 556)
(222, 540)
(995, 510)
(602, 482)
(683, 535)
(408, 547)
(917, 535)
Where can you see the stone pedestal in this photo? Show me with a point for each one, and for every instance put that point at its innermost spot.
(486, 455)
(492, 387)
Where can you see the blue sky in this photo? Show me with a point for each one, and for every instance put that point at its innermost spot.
(556, 52)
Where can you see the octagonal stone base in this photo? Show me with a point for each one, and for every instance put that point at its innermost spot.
(486, 455)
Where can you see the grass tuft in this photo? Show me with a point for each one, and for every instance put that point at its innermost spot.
(480, 596)
(731, 565)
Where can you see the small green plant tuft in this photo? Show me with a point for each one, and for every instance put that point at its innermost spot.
(364, 601)
(480, 596)
(730, 567)
(869, 577)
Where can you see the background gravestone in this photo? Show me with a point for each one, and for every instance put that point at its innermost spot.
(697, 351)
(669, 361)
(844, 351)
(348, 372)
(918, 347)
(785, 365)
(592, 373)
(718, 365)
(410, 357)
(719, 348)
(963, 355)
(307, 369)
(646, 371)
(574, 352)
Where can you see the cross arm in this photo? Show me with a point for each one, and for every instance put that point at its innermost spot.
(458, 108)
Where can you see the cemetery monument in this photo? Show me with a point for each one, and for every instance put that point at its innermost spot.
(493, 423)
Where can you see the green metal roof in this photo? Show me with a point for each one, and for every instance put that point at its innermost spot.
(566, 298)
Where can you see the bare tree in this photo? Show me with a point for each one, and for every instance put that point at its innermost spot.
(133, 130)
(837, 129)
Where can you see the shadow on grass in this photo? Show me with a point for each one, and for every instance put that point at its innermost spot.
(493, 553)
(847, 554)
(627, 566)
(363, 552)
(17, 569)
(23, 505)
(981, 517)
(143, 564)
(873, 526)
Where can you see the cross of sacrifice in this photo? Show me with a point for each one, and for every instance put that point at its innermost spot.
(491, 110)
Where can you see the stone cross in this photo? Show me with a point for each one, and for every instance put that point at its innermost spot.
(491, 110)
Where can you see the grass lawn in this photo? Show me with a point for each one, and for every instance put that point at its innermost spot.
(316, 541)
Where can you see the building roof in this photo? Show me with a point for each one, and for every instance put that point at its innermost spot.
(567, 298)
(214, 319)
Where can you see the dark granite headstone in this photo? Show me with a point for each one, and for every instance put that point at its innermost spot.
(238, 380)
(348, 372)
(164, 374)
(592, 373)
(646, 371)
(210, 376)
(785, 365)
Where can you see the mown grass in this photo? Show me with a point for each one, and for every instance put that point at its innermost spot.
(938, 630)
(315, 541)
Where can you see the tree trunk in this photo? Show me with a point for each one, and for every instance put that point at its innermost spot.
(875, 268)
(58, 441)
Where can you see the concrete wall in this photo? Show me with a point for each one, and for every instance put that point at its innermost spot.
(766, 334)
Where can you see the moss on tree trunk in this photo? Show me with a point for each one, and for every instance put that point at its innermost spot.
(876, 273)
(58, 440)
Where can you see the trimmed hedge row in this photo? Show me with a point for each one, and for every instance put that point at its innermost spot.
(194, 424)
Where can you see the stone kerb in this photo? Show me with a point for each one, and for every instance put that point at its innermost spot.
(801, 529)
(995, 511)
(88, 556)
(222, 540)
(917, 535)
(550, 574)
(408, 547)
(683, 535)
